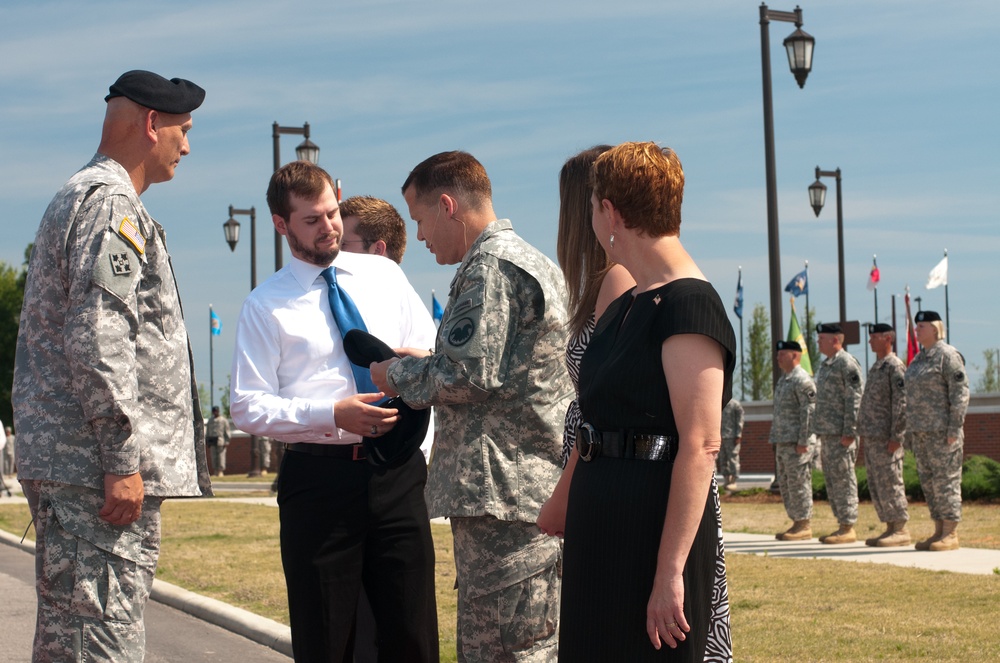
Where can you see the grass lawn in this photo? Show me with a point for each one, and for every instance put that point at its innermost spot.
(782, 609)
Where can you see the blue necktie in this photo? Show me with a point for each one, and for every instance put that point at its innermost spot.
(348, 317)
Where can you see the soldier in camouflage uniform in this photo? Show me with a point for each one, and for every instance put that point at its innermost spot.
(937, 397)
(794, 444)
(838, 396)
(882, 425)
(107, 412)
(500, 388)
(728, 462)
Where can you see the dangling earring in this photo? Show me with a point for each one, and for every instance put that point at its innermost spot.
(611, 240)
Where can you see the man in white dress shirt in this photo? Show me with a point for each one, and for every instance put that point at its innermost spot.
(344, 521)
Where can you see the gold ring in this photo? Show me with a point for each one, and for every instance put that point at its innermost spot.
(671, 624)
(374, 429)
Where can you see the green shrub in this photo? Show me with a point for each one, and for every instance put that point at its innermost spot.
(980, 480)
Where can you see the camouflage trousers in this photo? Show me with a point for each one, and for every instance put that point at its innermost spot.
(885, 480)
(939, 466)
(794, 472)
(841, 481)
(92, 578)
(728, 462)
(508, 576)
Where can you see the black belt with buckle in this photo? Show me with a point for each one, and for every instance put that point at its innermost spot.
(591, 443)
(342, 451)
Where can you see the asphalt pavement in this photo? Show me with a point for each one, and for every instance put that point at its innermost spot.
(182, 625)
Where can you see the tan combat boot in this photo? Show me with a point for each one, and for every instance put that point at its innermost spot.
(949, 538)
(896, 535)
(926, 543)
(873, 541)
(845, 534)
(730, 482)
(801, 530)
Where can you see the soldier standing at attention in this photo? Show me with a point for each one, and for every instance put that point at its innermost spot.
(498, 380)
(794, 403)
(937, 397)
(732, 435)
(217, 438)
(107, 411)
(838, 397)
(882, 425)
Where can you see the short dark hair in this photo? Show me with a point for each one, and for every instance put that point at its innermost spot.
(457, 171)
(377, 220)
(302, 178)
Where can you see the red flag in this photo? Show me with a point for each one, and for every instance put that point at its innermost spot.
(912, 348)
(873, 276)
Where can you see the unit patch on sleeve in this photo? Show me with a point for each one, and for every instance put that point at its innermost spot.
(120, 265)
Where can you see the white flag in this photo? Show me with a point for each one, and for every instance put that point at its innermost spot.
(938, 275)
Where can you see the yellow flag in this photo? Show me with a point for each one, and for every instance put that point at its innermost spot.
(795, 334)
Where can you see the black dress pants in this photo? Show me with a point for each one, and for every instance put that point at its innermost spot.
(346, 523)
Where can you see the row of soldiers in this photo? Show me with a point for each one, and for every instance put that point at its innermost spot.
(921, 407)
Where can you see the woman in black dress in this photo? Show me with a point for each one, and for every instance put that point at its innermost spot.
(643, 563)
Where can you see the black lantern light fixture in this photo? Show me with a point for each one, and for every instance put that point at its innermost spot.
(817, 198)
(306, 151)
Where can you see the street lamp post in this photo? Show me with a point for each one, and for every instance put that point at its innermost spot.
(232, 230)
(306, 151)
(817, 198)
(799, 47)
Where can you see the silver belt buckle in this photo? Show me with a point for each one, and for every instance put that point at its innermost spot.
(588, 442)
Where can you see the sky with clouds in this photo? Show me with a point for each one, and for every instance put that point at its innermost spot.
(903, 98)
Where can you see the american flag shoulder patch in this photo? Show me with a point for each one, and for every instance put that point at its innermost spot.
(130, 231)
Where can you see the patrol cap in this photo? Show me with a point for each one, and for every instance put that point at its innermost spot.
(927, 316)
(788, 345)
(395, 447)
(153, 91)
(829, 328)
(879, 328)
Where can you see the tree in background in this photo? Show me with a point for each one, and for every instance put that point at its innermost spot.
(760, 360)
(989, 381)
(11, 298)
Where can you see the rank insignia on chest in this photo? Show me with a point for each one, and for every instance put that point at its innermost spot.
(120, 264)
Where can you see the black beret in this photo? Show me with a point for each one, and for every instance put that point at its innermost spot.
(829, 328)
(880, 328)
(788, 345)
(153, 91)
(395, 447)
(927, 316)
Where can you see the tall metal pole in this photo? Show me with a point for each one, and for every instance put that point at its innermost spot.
(773, 246)
(276, 132)
(840, 250)
(895, 336)
(211, 360)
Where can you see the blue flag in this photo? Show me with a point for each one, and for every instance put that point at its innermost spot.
(215, 322)
(436, 311)
(799, 285)
(738, 302)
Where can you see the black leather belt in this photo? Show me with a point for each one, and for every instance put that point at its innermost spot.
(591, 443)
(342, 451)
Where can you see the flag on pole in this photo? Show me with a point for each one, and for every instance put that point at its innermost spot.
(799, 285)
(215, 322)
(795, 334)
(873, 276)
(436, 311)
(912, 348)
(938, 275)
(738, 302)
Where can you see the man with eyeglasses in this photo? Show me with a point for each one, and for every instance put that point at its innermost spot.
(372, 225)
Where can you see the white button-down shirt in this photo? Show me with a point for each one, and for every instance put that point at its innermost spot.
(289, 366)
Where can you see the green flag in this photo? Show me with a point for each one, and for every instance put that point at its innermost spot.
(795, 334)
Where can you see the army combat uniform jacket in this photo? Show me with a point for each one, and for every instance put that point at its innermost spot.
(838, 396)
(882, 415)
(498, 381)
(937, 391)
(794, 404)
(103, 377)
